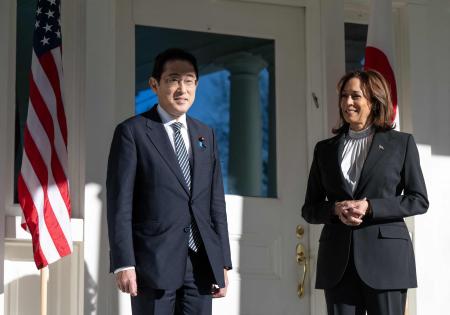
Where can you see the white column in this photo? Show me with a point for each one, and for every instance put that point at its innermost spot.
(100, 295)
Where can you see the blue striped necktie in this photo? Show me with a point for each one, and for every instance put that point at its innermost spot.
(183, 160)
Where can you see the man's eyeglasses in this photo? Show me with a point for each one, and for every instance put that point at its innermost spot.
(176, 81)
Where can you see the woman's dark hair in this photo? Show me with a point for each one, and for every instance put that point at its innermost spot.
(376, 89)
(172, 54)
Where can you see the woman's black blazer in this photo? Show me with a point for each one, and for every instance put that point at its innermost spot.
(392, 181)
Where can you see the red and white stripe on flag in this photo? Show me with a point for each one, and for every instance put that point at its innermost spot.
(43, 187)
(380, 46)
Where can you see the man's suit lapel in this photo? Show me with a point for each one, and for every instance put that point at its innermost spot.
(199, 145)
(158, 136)
(378, 149)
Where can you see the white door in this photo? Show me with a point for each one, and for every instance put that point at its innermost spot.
(262, 230)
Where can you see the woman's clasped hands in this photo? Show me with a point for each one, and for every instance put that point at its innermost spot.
(352, 212)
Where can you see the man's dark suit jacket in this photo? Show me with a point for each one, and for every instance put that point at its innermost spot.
(149, 204)
(392, 181)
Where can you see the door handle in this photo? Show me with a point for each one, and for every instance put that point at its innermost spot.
(302, 261)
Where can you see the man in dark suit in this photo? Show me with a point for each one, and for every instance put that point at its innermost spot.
(167, 222)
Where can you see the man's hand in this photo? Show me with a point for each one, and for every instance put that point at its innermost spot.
(351, 212)
(126, 281)
(220, 292)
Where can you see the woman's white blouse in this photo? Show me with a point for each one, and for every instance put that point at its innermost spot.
(356, 147)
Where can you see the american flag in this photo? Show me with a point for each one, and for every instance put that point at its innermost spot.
(43, 187)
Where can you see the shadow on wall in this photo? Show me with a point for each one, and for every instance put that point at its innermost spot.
(27, 287)
(100, 293)
(90, 292)
(108, 301)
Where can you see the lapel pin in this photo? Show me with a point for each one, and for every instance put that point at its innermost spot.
(201, 142)
(380, 147)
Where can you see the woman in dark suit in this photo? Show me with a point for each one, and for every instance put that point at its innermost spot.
(362, 184)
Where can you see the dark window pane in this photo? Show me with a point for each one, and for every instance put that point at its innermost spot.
(355, 45)
(24, 41)
(224, 63)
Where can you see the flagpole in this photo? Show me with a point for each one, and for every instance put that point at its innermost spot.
(44, 282)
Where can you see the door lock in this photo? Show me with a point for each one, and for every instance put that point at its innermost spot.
(299, 231)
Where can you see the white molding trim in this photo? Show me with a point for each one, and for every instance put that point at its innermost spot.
(7, 49)
(74, 62)
(358, 14)
(402, 67)
(14, 230)
(394, 2)
(290, 3)
(317, 128)
(358, 11)
(9, 130)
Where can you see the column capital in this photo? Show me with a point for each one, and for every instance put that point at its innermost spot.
(244, 63)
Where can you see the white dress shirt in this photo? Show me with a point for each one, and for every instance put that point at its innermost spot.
(356, 147)
(168, 120)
